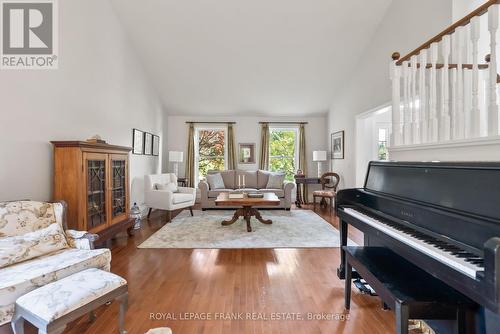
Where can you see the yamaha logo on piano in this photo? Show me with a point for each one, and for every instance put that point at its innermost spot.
(407, 214)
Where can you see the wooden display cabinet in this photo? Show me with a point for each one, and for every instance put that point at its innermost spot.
(93, 179)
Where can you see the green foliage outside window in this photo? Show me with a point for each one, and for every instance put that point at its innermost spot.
(211, 151)
(282, 152)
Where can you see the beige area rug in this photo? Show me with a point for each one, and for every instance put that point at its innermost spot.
(290, 229)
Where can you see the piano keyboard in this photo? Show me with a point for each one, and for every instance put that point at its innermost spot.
(446, 253)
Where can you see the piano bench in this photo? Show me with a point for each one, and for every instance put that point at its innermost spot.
(411, 292)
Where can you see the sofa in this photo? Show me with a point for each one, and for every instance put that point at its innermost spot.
(161, 192)
(255, 181)
(27, 256)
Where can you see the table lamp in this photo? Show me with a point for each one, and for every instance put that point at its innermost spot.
(176, 157)
(319, 157)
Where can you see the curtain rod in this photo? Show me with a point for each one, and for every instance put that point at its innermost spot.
(211, 122)
(283, 123)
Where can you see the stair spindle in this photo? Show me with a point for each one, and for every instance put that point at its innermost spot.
(445, 133)
(459, 120)
(423, 121)
(433, 120)
(475, 113)
(414, 99)
(492, 84)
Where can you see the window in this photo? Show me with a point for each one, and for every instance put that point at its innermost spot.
(210, 149)
(283, 151)
(383, 153)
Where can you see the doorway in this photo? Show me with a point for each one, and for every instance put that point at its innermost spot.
(373, 130)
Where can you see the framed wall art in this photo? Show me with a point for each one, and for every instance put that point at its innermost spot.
(137, 141)
(156, 145)
(148, 143)
(338, 145)
(246, 153)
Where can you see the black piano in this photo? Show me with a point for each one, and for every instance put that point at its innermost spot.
(442, 217)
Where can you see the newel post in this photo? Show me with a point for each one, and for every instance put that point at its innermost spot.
(395, 73)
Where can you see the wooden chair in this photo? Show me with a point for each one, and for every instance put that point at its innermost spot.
(328, 189)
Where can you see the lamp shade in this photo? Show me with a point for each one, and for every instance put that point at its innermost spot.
(319, 155)
(175, 156)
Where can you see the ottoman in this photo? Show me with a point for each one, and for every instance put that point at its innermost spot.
(54, 305)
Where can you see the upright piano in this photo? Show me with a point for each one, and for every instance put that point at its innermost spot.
(442, 217)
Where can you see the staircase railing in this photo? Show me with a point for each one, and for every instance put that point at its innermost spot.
(441, 91)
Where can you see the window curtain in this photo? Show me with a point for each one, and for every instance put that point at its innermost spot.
(190, 156)
(231, 157)
(302, 159)
(264, 147)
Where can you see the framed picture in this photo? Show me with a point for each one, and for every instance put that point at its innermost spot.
(137, 141)
(338, 145)
(156, 145)
(247, 153)
(148, 143)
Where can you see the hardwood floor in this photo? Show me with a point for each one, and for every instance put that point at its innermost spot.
(184, 283)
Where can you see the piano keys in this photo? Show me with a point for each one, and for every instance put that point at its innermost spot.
(442, 217)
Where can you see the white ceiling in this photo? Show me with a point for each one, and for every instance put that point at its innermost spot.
(235, 57)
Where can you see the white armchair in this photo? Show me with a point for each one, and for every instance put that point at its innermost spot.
(166, 199)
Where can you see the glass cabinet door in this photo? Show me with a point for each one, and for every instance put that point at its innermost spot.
(119, 186)
(95, 165)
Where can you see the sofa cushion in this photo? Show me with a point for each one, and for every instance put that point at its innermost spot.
(20, 248)
(262, 178)
(181, 198)
(275, 181)
(278, 192)
(215, 181)
(250, 178)
(217, 192)
(21, 278)
(151, 180)
(21, 217)
(167, 186)
(228, 176)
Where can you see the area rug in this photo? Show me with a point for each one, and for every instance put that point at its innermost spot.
(290, 229)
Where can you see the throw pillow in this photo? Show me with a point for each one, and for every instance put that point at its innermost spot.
(31, 245)
(215, 181)
(275, 181)
(167, 186)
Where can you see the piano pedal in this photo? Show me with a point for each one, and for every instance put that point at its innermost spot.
(364, 287)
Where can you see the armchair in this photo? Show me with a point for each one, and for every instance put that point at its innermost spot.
(22, 222)
(167, 199)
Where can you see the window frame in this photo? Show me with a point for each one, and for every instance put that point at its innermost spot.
(197, 130)
(296, 148)
(386, 141)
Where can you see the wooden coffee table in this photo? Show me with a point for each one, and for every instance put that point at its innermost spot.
(247, 209)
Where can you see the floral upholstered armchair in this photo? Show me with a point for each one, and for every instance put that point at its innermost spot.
(36, 248)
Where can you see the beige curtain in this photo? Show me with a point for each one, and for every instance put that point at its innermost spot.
(302, 159)
(190, 156)
(264, 147)
(231, 157)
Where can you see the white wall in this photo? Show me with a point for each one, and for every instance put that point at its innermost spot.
(406, 25)
(463, 7)
(99, 88)
(247, 130)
